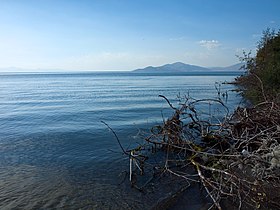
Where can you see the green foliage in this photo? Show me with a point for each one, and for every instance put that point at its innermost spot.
(268, 60)
(262, 80)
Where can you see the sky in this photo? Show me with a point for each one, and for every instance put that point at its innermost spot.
(130, 34)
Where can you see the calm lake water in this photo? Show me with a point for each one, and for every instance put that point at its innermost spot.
(56, 154)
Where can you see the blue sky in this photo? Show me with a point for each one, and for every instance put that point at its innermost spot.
(130, 34)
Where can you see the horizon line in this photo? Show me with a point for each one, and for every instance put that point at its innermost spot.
(13, 69)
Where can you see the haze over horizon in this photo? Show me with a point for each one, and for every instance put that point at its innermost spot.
(126, 35)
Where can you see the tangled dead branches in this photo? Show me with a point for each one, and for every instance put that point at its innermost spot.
(235, 156)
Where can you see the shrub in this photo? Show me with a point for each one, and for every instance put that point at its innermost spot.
(262, 81)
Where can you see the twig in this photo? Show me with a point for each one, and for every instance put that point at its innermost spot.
(117, 138)
(167, 102)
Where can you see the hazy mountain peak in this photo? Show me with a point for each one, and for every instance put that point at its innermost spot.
(179, 67)
(174, 67)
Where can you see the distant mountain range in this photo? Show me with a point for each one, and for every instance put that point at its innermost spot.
(177, 67)
(180, 67)
(234, 67)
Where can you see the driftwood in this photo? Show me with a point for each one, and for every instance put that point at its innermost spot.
(234, 156)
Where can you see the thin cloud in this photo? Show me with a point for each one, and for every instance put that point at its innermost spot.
(209, 44)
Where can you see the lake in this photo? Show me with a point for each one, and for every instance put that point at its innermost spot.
(56, 154)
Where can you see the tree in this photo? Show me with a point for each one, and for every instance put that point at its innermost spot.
(262, 81)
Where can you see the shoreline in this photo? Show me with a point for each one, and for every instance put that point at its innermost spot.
(238, 149)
